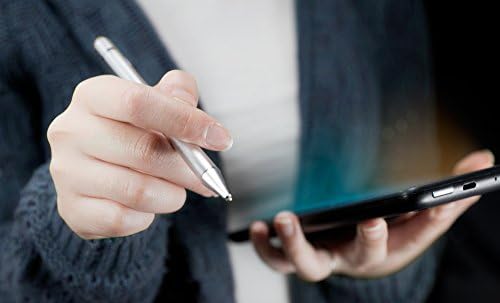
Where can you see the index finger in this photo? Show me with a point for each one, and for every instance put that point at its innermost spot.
(311, 264)
(146, 107)
(272, 256)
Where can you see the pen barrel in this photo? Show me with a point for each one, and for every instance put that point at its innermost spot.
(194, 156)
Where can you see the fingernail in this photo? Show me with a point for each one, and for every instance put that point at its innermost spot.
(183, 95)
(286, 226)
(372, 232)
(218, 137)
(207, 193)
(258, 226)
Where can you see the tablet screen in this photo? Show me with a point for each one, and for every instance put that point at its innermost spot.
(410, 149)
(367, 137)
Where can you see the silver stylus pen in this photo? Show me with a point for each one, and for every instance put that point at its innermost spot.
(197, 160)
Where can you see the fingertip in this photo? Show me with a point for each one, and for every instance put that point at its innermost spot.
(205, 192)
(372, 224)
(218, 138)
(281, 214)
(475, 161)
(285, 216)
(259, 233)
(371, 244)
(258, 227)
(285, 224)
(373, 230)
(488, 155)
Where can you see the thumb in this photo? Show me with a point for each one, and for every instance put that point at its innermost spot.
(474, 161)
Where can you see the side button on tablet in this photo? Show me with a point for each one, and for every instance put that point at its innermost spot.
(443, 192)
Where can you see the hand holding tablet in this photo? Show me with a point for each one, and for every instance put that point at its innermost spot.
(377, 249)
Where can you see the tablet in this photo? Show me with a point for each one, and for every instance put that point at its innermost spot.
(391, 205)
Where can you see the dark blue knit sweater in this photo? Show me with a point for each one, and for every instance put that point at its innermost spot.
(46, 49)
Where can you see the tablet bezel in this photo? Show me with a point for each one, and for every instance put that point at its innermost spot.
(395, 204)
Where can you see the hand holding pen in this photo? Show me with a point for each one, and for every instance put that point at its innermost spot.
(112, 164)
(197, 160)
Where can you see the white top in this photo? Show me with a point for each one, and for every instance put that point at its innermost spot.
(243, 55)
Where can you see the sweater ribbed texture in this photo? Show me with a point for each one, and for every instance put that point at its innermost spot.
(46, 49)
(115, 267)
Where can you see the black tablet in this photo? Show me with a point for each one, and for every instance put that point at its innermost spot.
(393, 205)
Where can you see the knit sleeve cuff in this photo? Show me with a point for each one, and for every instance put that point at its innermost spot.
(412, 284)
(128, 261)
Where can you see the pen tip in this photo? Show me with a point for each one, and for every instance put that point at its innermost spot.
(228, 198)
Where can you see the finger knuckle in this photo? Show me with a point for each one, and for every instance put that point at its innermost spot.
(374, 240)
(368, 265)
(61, 209)
(182, 78)
(81, 90)
(68, 217)
(169, 158)
(189, 78)
(365, 269)
(294, 250)
(136, 191)
(148, 222)
(180, 74)
(134, 101)
(362, 269)
(56, 169)
(113, 222)
(148, 148)
(58, 129)
(185, 122)
(52, 131)
(413, 243)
